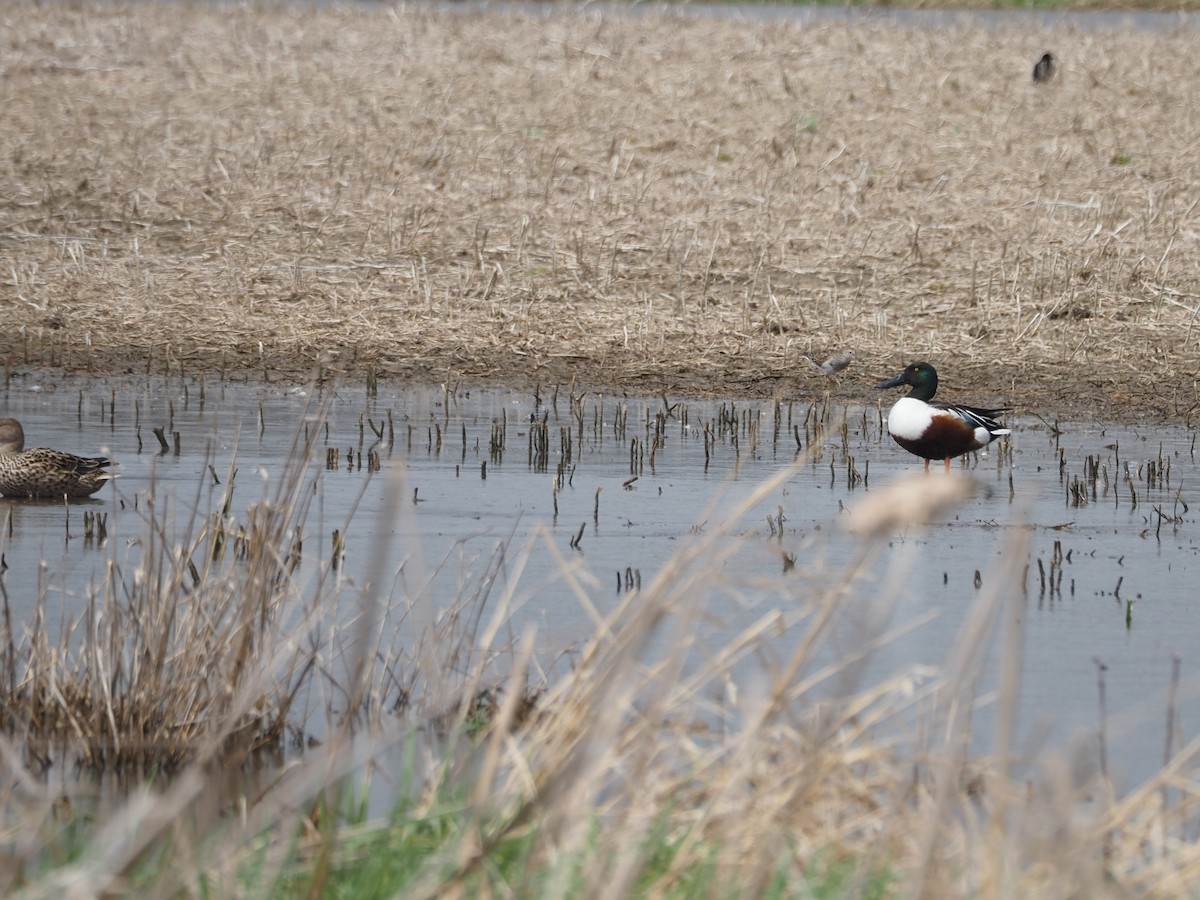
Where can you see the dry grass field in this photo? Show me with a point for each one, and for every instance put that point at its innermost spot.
(652, 201)
(659, 201)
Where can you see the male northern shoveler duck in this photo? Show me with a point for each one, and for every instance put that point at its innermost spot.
(45, 473)
(937, 430)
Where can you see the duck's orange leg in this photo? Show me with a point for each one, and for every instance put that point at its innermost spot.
(926, 467)
(947, 465)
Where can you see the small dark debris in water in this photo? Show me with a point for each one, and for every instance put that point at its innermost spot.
(775, 523)
(499, 432)
(1044, 69)
(945, 578)
(296, 552)
(632, 579)
(403, 699)
(1128, 614)
(668, 407)
(95, 526)
(789, 561)
(578, 537)
(213, 472)
(978, 580)
(298, 737)
(339, 548)
(853, 477)
(416, 499)
(628, 483)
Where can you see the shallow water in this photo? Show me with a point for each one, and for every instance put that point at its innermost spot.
(451, 519)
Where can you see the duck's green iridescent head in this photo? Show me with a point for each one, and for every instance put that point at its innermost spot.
(921, 376)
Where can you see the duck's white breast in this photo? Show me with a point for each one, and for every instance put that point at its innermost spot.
(909, 418)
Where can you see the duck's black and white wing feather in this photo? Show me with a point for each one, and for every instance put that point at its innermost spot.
(978, 418)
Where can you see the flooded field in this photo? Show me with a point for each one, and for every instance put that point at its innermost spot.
(523, 511)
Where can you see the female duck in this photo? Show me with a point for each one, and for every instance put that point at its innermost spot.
(937, 430)
(44, 473)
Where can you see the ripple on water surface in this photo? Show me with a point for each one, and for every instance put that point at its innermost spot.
(550, 511)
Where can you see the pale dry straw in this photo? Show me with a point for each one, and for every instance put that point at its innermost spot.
(659, 199)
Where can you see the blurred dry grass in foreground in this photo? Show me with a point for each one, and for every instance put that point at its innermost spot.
(645, 200)
(666, 762)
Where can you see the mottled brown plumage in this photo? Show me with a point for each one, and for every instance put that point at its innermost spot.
(44, 473)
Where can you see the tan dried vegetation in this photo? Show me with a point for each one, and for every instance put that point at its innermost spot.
(642, 200)
(652, 201)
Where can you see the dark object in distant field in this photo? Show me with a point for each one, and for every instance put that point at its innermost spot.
(1044, 69)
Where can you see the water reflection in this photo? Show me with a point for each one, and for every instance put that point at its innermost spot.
(476, 506)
